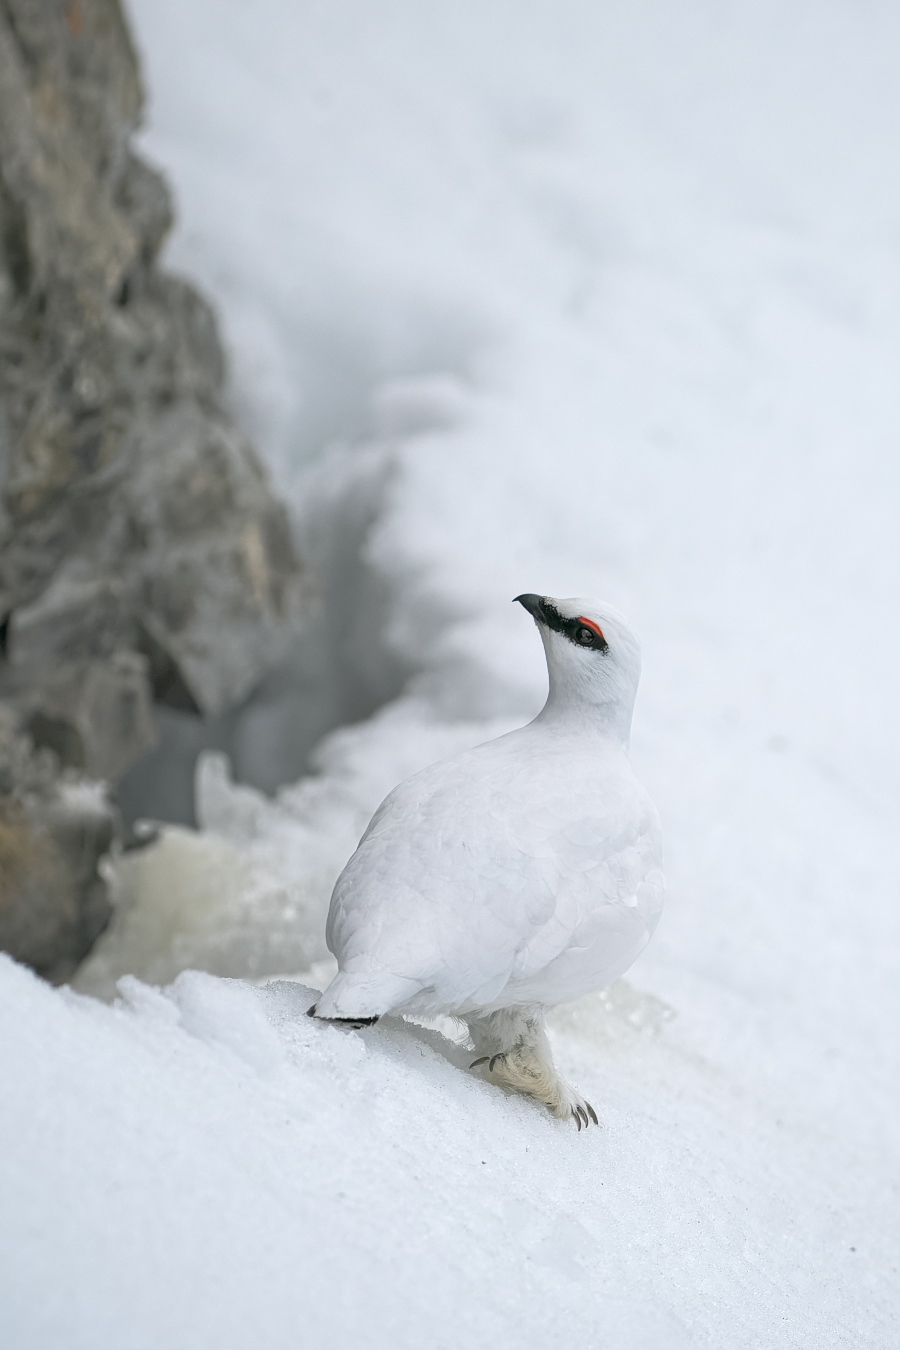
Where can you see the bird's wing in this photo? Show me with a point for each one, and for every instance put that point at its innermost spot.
(609, 890)
(478, 871)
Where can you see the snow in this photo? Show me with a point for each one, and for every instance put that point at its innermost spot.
(218, 1170)
(567, 298)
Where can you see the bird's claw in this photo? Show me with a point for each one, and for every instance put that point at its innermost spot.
(583, 1114)
(490, 1060)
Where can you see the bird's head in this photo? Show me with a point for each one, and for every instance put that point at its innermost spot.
(593, 657)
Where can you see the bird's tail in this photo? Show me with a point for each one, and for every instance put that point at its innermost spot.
(353, 1022)
(363, 997)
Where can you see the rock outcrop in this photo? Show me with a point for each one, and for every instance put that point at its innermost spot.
(54, 830)
(143, 556)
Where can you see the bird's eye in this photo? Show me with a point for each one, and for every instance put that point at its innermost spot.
(585, 636)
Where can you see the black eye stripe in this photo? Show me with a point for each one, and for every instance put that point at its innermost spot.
(570, 627)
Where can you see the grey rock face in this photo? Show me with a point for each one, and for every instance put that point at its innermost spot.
(54, 829)
(143, 557)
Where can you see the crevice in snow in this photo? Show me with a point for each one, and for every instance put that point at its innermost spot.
(346, 662)
(354, 709)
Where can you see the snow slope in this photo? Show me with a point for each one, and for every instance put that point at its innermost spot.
(215, 1170)
(571, 298)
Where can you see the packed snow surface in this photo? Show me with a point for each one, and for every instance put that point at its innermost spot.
(572, 298)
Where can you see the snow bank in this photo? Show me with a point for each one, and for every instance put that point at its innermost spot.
(204, 1166)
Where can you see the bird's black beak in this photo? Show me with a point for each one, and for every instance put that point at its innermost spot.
(533, 604)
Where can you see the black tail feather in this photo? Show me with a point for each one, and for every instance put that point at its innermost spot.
(343, 1021)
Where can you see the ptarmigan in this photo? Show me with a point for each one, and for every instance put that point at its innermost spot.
(515, 876)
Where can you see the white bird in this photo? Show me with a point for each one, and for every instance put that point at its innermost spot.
(512, 877)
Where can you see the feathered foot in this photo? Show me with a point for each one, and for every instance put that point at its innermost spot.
(526, 1063)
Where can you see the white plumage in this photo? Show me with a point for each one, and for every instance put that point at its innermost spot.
(515, 876)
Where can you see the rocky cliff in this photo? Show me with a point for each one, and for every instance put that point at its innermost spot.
(143, 556)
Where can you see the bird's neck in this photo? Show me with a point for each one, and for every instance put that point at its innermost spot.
(584, 716)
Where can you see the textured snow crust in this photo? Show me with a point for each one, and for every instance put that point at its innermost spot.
(205, 1166)
(577, 299)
